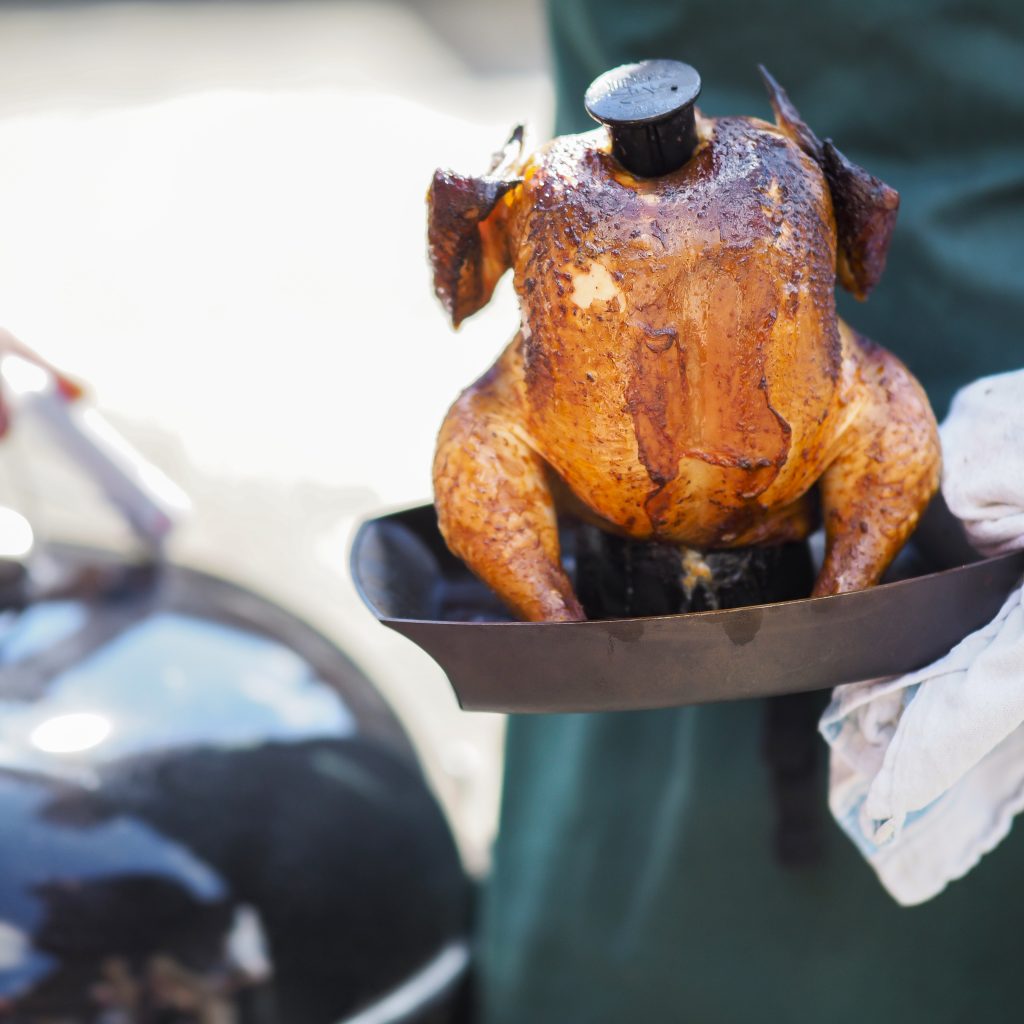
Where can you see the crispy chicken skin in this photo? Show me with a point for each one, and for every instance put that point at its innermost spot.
(680, 373)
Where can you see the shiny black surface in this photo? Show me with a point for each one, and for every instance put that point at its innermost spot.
(207, 814)
(414, 585)
(648, 108)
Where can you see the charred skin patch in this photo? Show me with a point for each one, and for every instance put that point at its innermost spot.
(865, 206)
(657, 400)
(458, 210)
(466, 238)
(866, 210)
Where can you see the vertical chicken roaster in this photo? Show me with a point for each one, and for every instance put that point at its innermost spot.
(680, 373)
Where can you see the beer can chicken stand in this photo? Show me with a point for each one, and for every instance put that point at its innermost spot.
(680, 374)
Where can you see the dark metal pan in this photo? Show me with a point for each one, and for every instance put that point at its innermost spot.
(411, 582)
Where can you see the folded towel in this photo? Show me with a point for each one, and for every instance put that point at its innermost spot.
(927, 769)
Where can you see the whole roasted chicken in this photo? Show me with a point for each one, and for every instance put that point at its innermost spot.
(680, 373)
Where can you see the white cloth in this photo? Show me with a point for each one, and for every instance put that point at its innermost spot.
(927, 769)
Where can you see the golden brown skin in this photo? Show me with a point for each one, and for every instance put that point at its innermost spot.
(680, 372)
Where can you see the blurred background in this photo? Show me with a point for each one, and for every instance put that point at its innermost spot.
(213, 213)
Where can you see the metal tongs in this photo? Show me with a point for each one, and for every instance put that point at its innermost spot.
(149, 502)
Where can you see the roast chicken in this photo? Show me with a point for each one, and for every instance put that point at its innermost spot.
(680, 373)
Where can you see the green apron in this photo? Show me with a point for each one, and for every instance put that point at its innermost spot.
(635, 876)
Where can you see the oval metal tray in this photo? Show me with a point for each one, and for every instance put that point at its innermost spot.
(412, 583)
